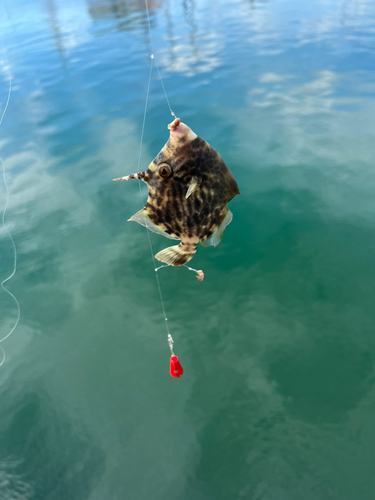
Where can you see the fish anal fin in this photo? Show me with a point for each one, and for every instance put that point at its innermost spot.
(144, 220)
(178, 255)
(216, 237)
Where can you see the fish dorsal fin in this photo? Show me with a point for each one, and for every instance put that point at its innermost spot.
(215, 237)
(144, 220)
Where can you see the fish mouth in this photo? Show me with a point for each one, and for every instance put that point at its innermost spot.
(176, 122)
(179, 132)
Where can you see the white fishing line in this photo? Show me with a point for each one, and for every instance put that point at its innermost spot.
(153, 61)
(4, 224)
(140, 190)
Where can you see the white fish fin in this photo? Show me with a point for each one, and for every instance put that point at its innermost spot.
(178, 255)
(144, 220)
(215, 238)
(193, 186)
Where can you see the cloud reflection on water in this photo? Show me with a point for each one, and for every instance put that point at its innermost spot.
(268, 403)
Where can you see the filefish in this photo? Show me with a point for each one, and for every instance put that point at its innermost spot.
(189, 186)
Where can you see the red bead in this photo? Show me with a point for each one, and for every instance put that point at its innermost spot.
(175, 367)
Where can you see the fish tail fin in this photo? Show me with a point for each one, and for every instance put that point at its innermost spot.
(178, 255)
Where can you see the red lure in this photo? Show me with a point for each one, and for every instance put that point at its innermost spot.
(176, 369)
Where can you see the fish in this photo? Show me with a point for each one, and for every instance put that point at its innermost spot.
(189, 187)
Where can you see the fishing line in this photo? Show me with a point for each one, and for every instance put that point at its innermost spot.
(175, 367)
(140, 190)
(153, 59)
(4, 224)
(200, 274)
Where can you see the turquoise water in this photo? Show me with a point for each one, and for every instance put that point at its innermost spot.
(278, 396)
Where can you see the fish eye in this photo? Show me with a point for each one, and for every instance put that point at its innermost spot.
(165, 170)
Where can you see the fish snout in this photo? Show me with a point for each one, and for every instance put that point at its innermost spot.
(176, 122)
(179, 132)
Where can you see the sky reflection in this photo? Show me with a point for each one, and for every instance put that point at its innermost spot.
(277, 342)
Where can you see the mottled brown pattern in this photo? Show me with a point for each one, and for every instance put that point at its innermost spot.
(193, 219)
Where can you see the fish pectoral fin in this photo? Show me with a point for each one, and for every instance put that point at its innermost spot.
(215, 238)
(144, 220)
(193, 186)
(178, 255)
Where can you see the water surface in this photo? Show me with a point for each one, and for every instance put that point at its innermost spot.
(278, 395)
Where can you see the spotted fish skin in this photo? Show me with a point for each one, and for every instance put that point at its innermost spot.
(191, 163)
